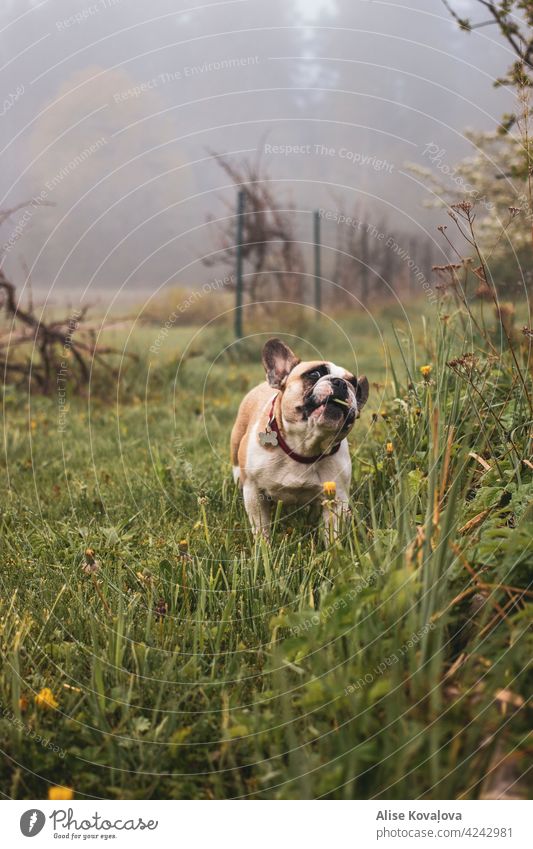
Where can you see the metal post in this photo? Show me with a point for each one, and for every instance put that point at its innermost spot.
(238, 269)
(318, 273)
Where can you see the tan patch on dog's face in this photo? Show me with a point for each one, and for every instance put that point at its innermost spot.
(299, 382)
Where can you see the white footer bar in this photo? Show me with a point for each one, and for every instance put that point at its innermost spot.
(268, 824)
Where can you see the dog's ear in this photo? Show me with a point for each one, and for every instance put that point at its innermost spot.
(360, 384)
(361, 391)
(279, 361)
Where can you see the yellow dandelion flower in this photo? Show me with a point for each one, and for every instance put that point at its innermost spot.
(45, 699)
(389, 448)
(425, 371)
(57, 794)
(330, 488)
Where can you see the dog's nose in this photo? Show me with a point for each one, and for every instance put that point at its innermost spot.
(339, 388)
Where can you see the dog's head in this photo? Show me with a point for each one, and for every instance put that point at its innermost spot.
(316, 394)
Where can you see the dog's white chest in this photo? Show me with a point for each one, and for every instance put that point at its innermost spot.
(291, 488)
(286, 480)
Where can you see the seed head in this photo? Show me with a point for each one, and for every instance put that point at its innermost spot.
(161, 608)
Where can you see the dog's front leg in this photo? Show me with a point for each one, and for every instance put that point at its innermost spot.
(258, 509)
(335, 512)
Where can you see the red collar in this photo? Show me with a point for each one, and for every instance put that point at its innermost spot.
(273, 426)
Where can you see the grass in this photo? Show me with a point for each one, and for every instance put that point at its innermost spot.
(186, 660)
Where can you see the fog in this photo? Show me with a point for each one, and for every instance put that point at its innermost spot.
(112, 108)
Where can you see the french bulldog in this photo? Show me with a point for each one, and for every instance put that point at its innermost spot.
(289, 437)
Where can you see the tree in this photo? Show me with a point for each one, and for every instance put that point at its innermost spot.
(514, 18)
(495, 182)
(113, 183)
(515, 21)
(499, 177)
(274, 265)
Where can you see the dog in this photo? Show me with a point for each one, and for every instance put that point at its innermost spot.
(289, 437)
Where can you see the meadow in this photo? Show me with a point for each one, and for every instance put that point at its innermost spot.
(152, 649)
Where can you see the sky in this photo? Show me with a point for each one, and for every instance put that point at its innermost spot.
(112, 110)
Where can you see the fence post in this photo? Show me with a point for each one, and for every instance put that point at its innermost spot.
(318, 273)
(238, 269)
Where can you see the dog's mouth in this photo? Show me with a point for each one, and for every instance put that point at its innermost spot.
(333, 409)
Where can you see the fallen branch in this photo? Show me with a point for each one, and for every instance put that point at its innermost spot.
(54, 341)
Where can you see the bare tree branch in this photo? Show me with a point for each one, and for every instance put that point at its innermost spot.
(54, 340)
(270, 249)
(515, 21)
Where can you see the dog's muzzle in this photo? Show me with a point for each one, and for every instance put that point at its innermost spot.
(332, 396)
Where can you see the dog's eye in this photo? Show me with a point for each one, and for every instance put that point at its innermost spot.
(314, 375)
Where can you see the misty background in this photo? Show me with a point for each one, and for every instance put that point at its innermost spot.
(112, 108)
